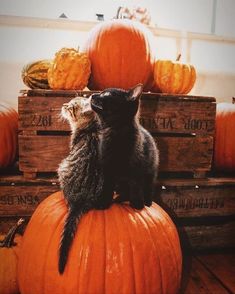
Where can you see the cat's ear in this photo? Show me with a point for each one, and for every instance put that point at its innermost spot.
(135, 92)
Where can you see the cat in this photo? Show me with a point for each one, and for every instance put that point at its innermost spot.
(128, 154)
(79, 174)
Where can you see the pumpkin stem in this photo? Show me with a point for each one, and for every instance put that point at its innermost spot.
(8, 241)
(178, 57)
(118, 12)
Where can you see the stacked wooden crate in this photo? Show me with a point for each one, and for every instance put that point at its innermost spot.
(182, 125)
(203, 208)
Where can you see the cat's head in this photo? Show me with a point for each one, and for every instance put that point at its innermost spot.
(77, 112)
(113, 103)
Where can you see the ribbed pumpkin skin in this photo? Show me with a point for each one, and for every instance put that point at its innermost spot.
(70, 70)
(121, 54)
(224, 148)
(8, 267)
(174, 77)
(115, 251)
(8, 134)
(34, 74)
(9, 253)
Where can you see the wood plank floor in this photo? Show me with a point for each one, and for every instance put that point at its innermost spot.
(209, 274)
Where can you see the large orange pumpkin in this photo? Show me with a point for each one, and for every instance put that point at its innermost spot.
(224, 150)
(121, 54)
(9, 253)
(8, 134)
(118, 250)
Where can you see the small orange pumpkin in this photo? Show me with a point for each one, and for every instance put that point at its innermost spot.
(8, 134)
(174, 77)
(121, 54)
(70, 70)
(117, 250)
(9, 252)
(224, 148)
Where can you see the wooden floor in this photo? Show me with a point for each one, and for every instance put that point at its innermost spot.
(212, 273)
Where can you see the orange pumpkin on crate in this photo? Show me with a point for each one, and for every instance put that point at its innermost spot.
(224, 147)
(121, 54)
(9, 254)
(8, 135)
(174, 77)
(70, 70)
(118, 250)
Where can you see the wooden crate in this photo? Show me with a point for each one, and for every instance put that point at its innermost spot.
(182, 125)
(203, 209)
(19, 197)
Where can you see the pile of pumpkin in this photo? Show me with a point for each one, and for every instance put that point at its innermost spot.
(120, 53)
(108, 255)
(118, 250)
(117, 53)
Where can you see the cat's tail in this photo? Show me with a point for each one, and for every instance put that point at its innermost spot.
(68, 233)
(67, 237)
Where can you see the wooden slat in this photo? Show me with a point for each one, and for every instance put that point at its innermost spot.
(42, 113)
(19, 180)
(55, 93)
(158, 113)
(44, 153)
(20, 197)
(198, 280)
(185, 154)
(181, 198)
(22, 200)
(147, 95)
(205, 182)
(222, 266)
(178, 116)
(197, 197)
(208, 236)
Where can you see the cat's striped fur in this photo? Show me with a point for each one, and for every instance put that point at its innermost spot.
(79, 173)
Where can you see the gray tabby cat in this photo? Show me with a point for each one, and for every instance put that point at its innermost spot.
(79, 173)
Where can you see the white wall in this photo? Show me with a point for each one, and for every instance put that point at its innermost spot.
(225, 20)
(187, 15)
(24, 39)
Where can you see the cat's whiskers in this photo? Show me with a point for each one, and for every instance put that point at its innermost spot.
(60, 117)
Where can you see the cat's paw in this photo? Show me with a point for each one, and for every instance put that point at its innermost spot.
(137, 204)
(120, 199)
(102, 205)
(148, 203)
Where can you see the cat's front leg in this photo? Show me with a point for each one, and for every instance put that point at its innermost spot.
(137, 194)
(123, 191)
(149, 190)
(148, 199)
(106, 196)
